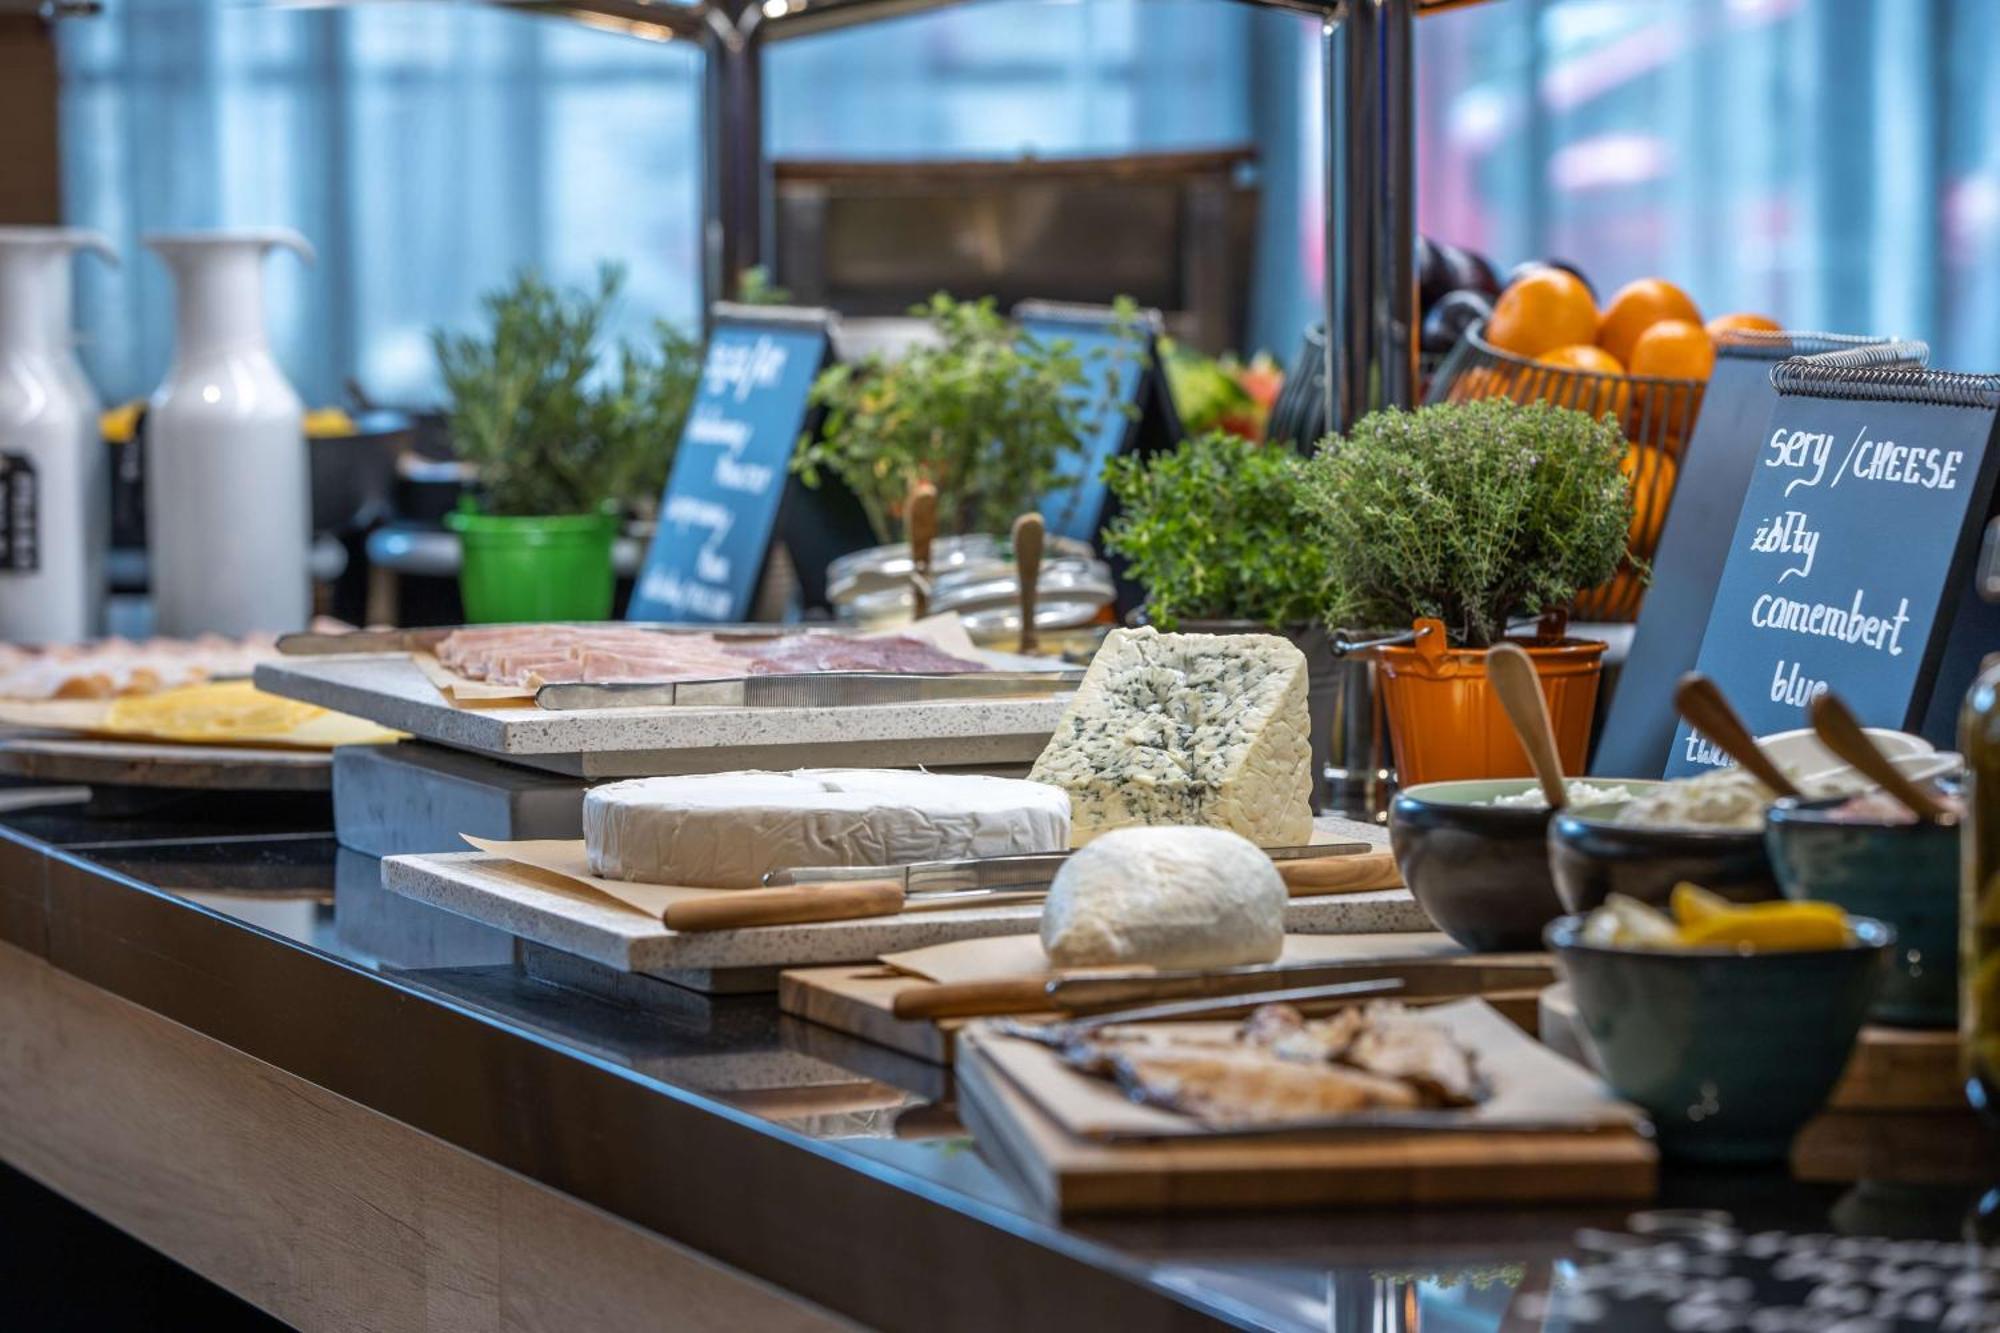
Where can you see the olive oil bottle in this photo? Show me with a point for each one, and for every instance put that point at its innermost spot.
(1979, 876)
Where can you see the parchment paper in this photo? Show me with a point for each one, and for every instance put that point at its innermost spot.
(566, 857)
(1533, 1087)
(91, 718)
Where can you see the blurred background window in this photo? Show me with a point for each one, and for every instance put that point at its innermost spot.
(1833, 162)
(430, 149)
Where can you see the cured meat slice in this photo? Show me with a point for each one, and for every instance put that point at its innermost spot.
(1245, 1086)
(531, 655)
(827, 652)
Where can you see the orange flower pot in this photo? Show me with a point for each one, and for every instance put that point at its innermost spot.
(1445, 722)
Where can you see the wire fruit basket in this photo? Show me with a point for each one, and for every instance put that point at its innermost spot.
(1657, 416)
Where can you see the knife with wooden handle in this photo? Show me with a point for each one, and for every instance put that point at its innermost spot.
(1357, 873)
(973, 999)
(786, 907)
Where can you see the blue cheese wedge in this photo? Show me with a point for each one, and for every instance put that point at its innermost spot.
(1206, 729)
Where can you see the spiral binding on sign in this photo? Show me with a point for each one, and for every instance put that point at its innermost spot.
(1782, 345)
(1856, 374)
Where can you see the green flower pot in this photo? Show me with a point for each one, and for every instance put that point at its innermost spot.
(555, 567)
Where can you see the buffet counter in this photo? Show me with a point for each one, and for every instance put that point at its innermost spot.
(220, 1033)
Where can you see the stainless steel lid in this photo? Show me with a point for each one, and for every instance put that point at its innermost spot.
(1072, 591)
(874, 584)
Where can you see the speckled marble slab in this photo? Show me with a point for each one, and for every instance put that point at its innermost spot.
(640, 742)
(538, 907)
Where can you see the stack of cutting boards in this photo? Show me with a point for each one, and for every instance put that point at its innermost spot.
(918, 1001)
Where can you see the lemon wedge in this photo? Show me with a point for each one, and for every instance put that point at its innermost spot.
(1692, 904)
(1770, 927)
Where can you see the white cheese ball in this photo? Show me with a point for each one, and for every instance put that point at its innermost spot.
(1166, 897)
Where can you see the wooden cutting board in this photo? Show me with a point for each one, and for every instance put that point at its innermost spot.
(158, 764)
(859, 999)
(1067, 1175)
(550, 910)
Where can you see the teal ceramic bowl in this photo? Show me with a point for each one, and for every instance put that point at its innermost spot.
(1904, 874)
(1728, 1052)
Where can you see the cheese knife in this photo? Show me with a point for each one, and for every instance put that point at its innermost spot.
(818, 689)
(1422, 975)
(855, 892)
(1061, 1034)
(1331, 867)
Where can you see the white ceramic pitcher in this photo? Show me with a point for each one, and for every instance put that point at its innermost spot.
(55, 472)
(228, 479)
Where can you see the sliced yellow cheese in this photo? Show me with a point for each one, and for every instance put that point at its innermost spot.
(235, 711)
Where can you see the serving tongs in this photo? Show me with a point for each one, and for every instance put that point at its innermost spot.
(815, 689)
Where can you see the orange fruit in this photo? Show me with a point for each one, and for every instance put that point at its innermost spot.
(1741, 321)
(1599, 389)
(1583, 356)
(1636, 307)
(1652, 473)
(1541, 310)
(1494, 381)
(1675, 349)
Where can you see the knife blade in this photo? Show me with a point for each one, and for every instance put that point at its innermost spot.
(1031, 870)
(1422, 975)
(1061, 1034)
(818, 689)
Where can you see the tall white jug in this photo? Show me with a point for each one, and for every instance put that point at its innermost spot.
(55, 473)
(228, 480)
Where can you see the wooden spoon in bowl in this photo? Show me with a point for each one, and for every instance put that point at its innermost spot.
(1839, 731)
(920, 521)
(1512, 672)
(1701, 702)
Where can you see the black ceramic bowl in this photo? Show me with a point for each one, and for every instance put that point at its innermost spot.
(1592, 856)
(1480, 870)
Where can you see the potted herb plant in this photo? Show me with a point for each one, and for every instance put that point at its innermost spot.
(1218, 533)
(1463, 517)
(981, 409)
(563, 441)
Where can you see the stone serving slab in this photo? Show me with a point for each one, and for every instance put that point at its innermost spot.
(542, 909)
(388, 689)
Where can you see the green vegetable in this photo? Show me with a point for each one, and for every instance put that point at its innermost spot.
(1217, 529)
(1474, 513)
(554, 432)
(984, 411)
(1205, 390)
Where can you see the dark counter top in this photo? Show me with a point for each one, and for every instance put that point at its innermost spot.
(821, 1163)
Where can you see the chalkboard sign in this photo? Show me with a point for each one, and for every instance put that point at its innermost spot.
(733, 466)
(1131, 410)
(1687, 565)
(1855, 541)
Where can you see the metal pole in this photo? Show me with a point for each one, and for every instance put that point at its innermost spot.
(1369, 69)
(733, 169)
